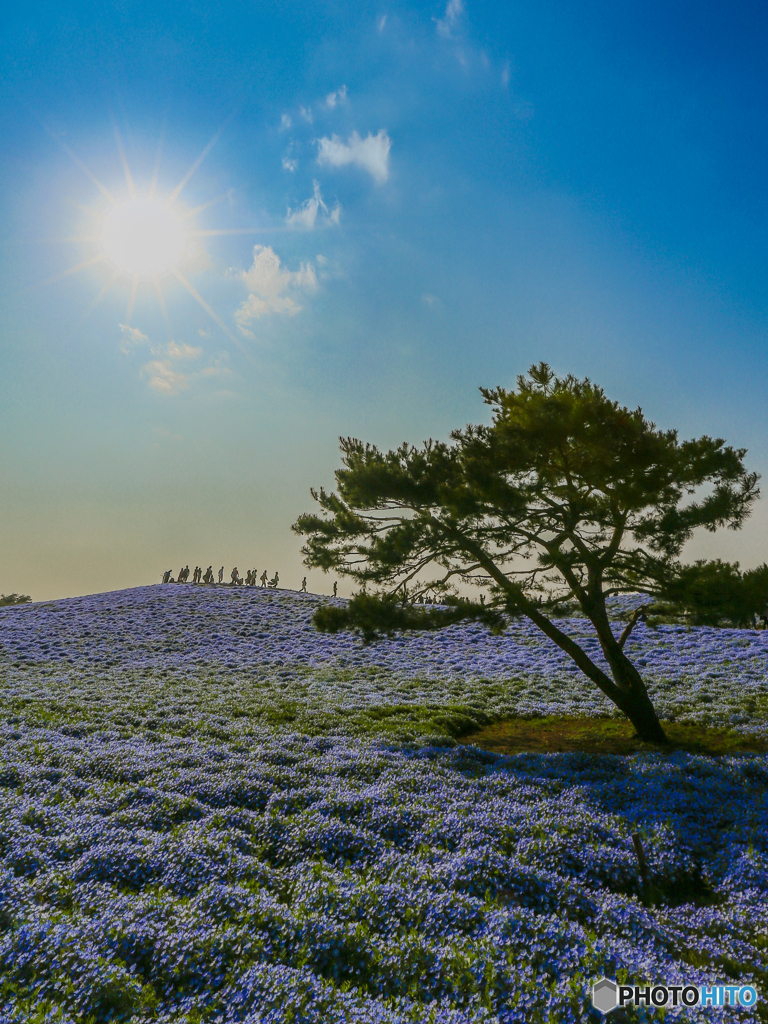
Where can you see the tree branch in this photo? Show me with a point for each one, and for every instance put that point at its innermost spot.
(638, 615)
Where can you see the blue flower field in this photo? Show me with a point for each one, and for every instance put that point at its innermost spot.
(209, 812)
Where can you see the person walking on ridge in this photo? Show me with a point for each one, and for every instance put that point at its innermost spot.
(263, 578)
(221, 574)
(303, 586)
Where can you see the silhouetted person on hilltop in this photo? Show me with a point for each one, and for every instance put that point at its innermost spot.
(167, 575)
(303, 586)
(233, 576)
(208, 578)
(264, 578)
(273, 583)
(221, 574)
(335, 585)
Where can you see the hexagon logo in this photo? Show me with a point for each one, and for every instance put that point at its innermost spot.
(604, 996)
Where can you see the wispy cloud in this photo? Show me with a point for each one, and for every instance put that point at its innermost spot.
(130, 336)
(285, 123)
(272, 288)
(371, 154)
(333, 98)
(306, 215)
(447, 24)
(289, 164)
(183, 351)
(166, 377)
(381, 22)
(164, 371)
(163, 377)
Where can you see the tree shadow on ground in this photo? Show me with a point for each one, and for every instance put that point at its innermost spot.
(559, 735)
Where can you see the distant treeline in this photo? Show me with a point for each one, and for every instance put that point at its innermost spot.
(716, 593)
(6, 599)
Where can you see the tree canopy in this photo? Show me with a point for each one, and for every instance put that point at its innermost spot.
(565, 496)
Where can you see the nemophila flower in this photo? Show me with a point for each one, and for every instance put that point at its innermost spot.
(194, 825)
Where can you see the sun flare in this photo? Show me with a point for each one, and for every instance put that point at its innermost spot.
(146, 240)
(143, 238)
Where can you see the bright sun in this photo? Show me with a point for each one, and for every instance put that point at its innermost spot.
(146, 239)
(143, 238)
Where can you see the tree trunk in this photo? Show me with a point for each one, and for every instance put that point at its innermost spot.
(632, 697)
(637, 705)
(626, 689)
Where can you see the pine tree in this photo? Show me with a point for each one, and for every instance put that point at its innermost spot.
(566, 497)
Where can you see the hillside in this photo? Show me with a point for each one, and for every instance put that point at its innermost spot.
(209, 812)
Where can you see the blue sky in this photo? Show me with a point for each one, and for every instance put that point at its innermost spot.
(417, 199)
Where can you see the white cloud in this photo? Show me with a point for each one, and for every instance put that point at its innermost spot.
(269, 284)
(285, 123)
(381, 22)
(505, 75)
(268, 278)
(306, 215)
(371, 153)
(183, 351)
(162, 377)
(289, 165)
(306, 113)
(429, 300)
(131, 336)
(333, 98)
(164, 372)
(447, 23)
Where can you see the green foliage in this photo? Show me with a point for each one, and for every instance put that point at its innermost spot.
(8, 599)
(713, 593)
(376, 615)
